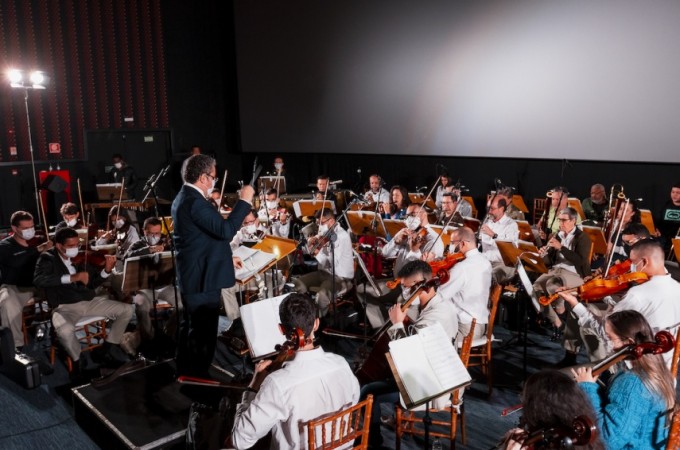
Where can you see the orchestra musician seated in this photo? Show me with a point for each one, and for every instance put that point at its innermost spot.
(595, 206)
(376, 192)
(448, 215)
(273, 216)
(567, 256)
(548, 223)
(469, 284)
(332, 248)
(498, 226)
(656, 299)
(396, 208)
(18, 256)
(434, 308)
(506, 193)
(551, 400)
(70, 291)
(153, 242)
(632, 411)
(310, 384)
(71, 217)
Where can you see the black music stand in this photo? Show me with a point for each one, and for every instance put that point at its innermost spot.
(110, 191)
(148, 272)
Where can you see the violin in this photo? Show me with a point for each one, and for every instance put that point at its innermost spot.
(663, 343)
(90, 258)
(581, 432)
(619, 268)
(440, 268)
(597, 288)
(319, 242)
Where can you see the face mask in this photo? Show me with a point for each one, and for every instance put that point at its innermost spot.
(71, 223)
(412, 223)
(278, 166)
(28, 234)
(71, 252)
(251, 229)
(118, 165)
(635, 267)
(406, 293)
(153, 240)
(323, 229)
(272, 204)
(119, 224)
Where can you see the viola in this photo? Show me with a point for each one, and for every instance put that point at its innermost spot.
(597, 288)
(91, 258)
(581, 432)
(440, 268)
(619, 268)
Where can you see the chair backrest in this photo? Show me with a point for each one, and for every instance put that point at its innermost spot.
(341, 428)
(494, 298)
(467, 344)
(676, 355)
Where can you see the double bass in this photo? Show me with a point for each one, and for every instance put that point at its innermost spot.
(375, 366)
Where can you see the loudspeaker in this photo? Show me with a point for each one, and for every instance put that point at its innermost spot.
(54, 183)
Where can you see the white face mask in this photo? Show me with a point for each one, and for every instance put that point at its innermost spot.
(323, 229)
(71, 252)
(28, 234)
(153, 239)
(412, 223)
(251, 229)
(271, 204)
(119, 223)
(278, 166)
(71, 223)
(118, 165)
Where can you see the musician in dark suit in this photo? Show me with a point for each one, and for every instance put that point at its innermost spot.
(70, 290)
(204, 262)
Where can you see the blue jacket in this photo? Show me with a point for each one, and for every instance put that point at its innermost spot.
(202, 238)
(629, 416)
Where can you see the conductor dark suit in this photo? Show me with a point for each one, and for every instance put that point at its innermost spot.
(204, 267)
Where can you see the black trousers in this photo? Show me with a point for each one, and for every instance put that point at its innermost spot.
(198, 333)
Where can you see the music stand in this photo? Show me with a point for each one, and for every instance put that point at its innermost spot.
(419, 198)
(269, 182)
(575, 203)
(307, 208)
(110, 191)
(364, 222)
(525, 231)
(281, 248)
(596, 236)
(472, 223)
(444, 232)
(518, 201)
(392, 226)
(647, 219)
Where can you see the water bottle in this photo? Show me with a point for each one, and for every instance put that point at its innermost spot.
(436, 444)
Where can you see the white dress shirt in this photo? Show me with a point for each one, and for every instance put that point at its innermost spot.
(506, 229)
(343, 255)
(469, 286)
(313, 384)
(403, 254)
(382, 196)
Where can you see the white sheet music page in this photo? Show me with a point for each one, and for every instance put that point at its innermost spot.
(253, 261)
(428, 363)
(261, 325)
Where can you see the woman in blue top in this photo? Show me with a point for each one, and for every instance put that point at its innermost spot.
(632, 412)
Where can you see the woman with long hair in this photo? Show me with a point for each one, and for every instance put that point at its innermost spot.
(551, 400)
(632, 411)
(396, 209)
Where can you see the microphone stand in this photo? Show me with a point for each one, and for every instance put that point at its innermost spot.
(152, 191)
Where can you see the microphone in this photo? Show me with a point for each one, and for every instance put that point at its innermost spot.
(314, 197)
(152, 180)
(498, 182)
(165, 171)
(335, 182)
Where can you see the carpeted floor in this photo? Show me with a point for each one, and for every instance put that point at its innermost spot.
(43, 417)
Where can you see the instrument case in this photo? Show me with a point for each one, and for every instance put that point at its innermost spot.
(19, 367)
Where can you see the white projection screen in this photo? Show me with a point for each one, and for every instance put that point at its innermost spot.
(519, 79)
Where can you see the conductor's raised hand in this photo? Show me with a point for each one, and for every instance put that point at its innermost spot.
(247, 193)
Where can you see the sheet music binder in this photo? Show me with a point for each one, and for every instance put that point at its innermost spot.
(426, 366)
(308, 208)
(261, 325)
(108, 191)
(254, 262)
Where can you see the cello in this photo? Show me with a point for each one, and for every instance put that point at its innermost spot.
(375, 366)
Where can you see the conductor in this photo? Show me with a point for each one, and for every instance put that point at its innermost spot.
(204, 262)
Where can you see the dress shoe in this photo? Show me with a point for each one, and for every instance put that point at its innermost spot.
(109, 375)
(44, 367)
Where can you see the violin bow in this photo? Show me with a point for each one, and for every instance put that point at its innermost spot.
(43, 217)
(80, 199)
(224, 182)
(617, 234)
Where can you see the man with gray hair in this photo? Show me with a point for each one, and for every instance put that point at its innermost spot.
(567, 255)
(595, 206)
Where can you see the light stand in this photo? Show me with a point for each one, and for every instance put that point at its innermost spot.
(36, 82)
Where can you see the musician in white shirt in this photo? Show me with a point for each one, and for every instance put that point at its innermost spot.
(376, 193)
(332, 248)
(499, 226)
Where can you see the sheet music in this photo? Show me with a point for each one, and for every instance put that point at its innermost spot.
(253, 262)
(428, 363)
(261, 325)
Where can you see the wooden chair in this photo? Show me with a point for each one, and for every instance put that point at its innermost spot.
(676, 355)
(341, 428)
(480, 353)
(471, 201)
(91, 332)
(674, 433)
(406, 420)
(539, 207)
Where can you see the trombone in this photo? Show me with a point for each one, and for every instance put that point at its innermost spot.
(617, 192)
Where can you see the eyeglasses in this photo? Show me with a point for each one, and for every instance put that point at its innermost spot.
(563, 219)
(324, 221)
(216, 179)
